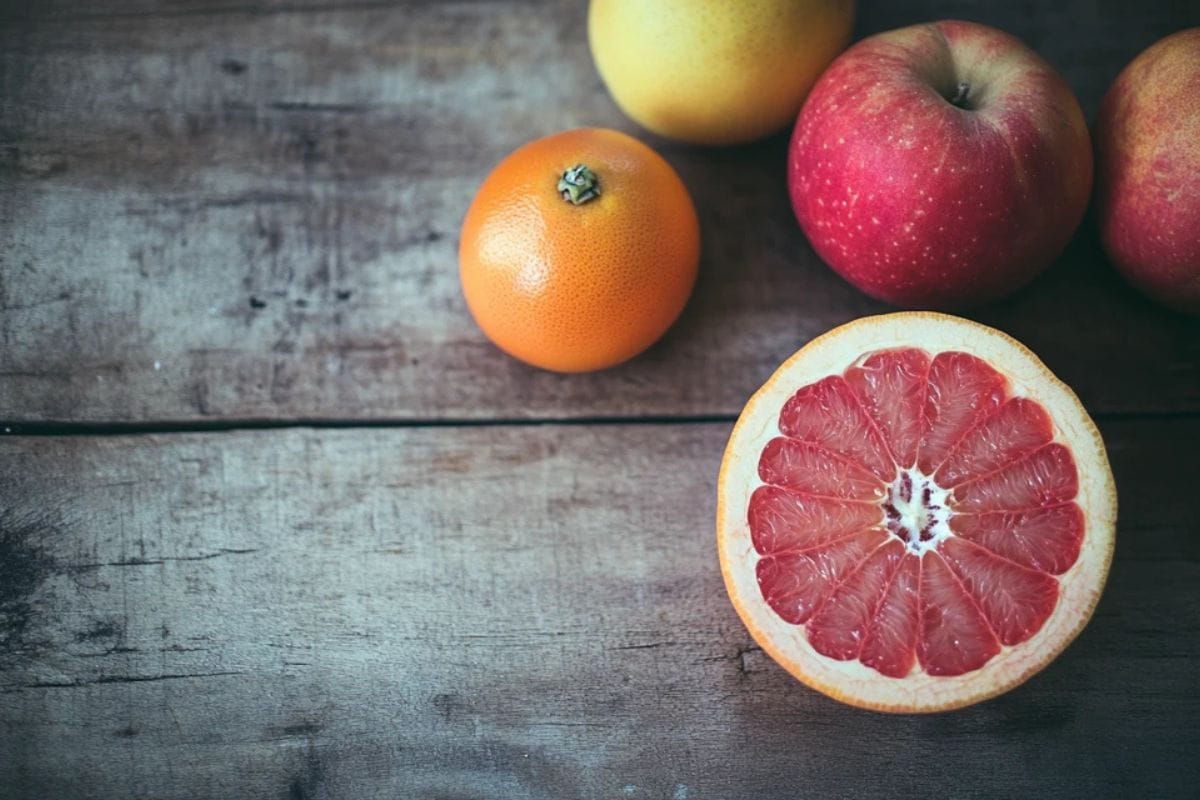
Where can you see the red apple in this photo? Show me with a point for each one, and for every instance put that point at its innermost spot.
(940, 165)
(1148, 171)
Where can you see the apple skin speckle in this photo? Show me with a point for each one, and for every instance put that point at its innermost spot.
(953, 206)
(1148, 171)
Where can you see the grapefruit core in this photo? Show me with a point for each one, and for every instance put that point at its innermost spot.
(914, 514)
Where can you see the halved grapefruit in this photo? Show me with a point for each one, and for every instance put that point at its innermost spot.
(914, 514)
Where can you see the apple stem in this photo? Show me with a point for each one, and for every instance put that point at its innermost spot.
(579, 185)
(960, 95)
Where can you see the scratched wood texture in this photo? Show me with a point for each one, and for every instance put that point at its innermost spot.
(221, 213)
(238, 210)
(511, 612)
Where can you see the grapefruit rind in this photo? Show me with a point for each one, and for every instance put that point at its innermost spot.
(850, 681)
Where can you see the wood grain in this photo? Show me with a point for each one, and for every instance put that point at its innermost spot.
(245, 211)
(220, 211)
(510, 612)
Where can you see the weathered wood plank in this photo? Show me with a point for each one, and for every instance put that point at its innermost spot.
(1075, 35)
(254, 215)
(509, 612)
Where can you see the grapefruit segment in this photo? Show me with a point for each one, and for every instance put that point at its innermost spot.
(795, 582)
(1015, 600)
(890, 646)
(828, 414)
(1042, 478)
(890, 386)
(914, 514)
(962, 390)
(781, 519)
(1017, 428)
(839, 626)
(810, 469)
(954, 636)
(1046, 539)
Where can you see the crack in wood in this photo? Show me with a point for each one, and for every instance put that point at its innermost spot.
(105, 679)
(647, 646)
(324, 108)
(148, 562)
(740, 657)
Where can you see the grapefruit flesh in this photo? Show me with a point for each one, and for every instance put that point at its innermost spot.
(914, 530)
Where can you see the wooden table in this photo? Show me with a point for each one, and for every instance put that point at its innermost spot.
(277, 521)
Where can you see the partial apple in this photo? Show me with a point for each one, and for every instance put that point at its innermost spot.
(940, 166)
(1148, 171)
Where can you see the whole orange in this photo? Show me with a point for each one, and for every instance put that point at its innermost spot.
(579, 250)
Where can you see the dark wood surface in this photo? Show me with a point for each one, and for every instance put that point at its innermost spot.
(255, 215)
(227, 225)
(512, 612)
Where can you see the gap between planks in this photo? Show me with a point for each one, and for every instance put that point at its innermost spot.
(62, 428)
(101, 429)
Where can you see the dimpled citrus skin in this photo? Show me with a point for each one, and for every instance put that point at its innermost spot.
(715, 72)
(1148, 176)
(574, 288)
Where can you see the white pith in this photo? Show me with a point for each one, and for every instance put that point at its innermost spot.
(851, 681)
(917, 513)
